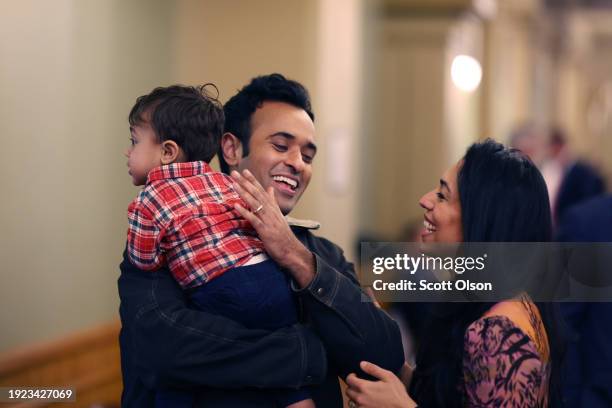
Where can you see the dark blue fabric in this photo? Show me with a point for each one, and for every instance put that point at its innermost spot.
(588, 363)
(167, 344)
(579, 183)
(257, 296)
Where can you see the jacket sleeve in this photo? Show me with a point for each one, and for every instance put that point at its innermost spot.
(169, 345)
(350, 323)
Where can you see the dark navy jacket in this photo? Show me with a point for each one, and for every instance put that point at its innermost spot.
(588, 366)
(580, 182)
(164, 343)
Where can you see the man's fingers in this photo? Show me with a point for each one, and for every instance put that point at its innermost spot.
(254, 182)
(270, 192)
(375, 371)
(249, 216)
(247, 181)
(244, 184)
(248, 198)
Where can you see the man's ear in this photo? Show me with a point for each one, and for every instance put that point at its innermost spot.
(231, 147)
(171, 152)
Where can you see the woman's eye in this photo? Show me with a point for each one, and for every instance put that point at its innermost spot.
(440, 196)
(132, 141)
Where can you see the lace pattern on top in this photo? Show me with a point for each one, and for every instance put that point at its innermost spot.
(502, 366)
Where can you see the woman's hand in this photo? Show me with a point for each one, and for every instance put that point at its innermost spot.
(388, 392)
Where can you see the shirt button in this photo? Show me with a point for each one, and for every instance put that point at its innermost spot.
(320, 291)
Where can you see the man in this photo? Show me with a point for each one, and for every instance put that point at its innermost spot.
(588, 365)
(270, 133)
(570, 181)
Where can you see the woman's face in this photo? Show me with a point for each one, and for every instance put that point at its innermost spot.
(442, 207)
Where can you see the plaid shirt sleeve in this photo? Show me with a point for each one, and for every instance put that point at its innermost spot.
(144, 237)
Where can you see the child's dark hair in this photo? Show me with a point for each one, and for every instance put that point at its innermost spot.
(187, 115)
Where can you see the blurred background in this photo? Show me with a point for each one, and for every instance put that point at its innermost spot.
(400, 89)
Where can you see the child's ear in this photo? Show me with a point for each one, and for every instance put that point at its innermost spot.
(231, 147)
(171, 152)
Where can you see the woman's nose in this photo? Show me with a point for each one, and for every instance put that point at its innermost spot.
(426, 202)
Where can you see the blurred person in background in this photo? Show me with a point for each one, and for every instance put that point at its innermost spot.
(269, 131)
(530, 139)
(569, 180)
(588, 367)
(476, 354)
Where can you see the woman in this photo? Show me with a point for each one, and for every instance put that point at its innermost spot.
(480, 354)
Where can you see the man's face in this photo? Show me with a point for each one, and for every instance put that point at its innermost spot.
(281, 151)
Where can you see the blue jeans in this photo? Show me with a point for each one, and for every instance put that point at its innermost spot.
(257, 296)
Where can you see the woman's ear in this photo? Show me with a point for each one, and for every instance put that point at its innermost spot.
(231, 148)
(171, 152)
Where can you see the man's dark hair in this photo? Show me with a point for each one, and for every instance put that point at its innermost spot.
(239, 109)
(187, 115)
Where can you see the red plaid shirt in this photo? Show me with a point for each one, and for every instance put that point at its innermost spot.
(184, 217)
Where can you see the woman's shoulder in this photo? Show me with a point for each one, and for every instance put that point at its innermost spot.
(522, 314)
(492, 334)
(502, 359)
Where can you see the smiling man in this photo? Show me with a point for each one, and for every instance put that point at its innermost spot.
(270, 138)
(275, 141)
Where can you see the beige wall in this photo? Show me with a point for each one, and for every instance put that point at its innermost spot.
(584, 86)
(408, 150)
(422, 122)
(388, 120)
(71, 71)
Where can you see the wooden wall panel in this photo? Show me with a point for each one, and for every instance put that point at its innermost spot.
(87, 361)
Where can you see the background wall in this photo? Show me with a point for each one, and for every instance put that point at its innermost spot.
(69, 74)
(71, 70)
(389, 119)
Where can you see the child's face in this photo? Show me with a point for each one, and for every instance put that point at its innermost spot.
(144, 153)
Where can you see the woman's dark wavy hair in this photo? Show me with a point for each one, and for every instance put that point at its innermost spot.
(503, 199)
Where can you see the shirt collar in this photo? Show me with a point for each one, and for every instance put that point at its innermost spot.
(178, 170)
(307, 224)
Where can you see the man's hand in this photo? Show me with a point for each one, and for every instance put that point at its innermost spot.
(388, 392)
(270, 224)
